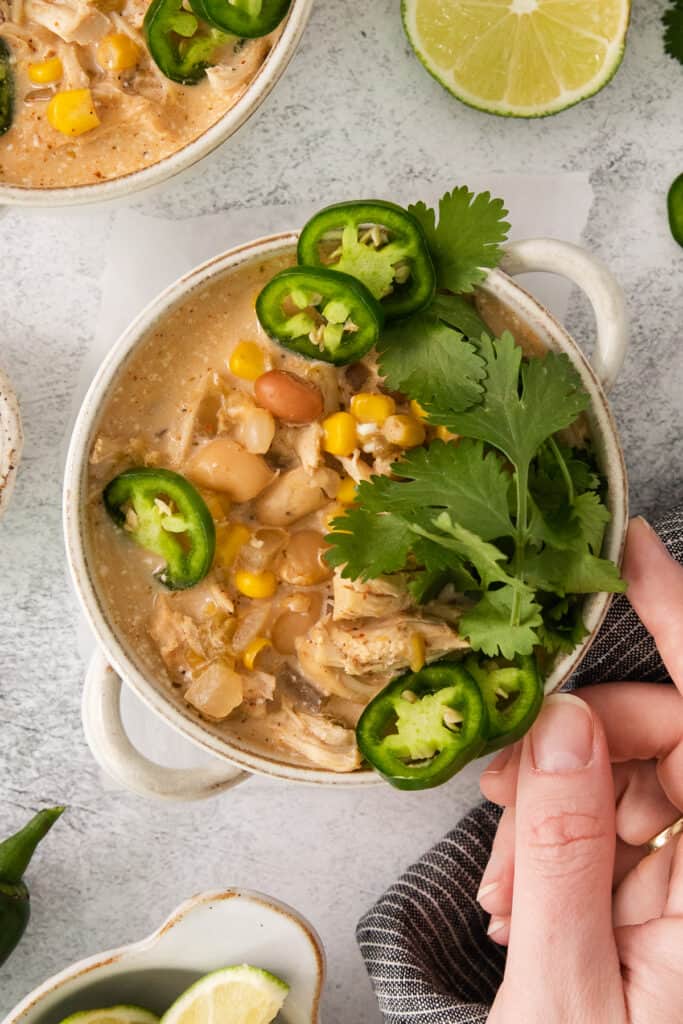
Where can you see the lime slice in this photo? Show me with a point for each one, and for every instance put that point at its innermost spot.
(113, 1015)
(520, 58)
(234, 995)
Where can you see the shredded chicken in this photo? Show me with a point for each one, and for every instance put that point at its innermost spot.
(321, 740)
(371, 599)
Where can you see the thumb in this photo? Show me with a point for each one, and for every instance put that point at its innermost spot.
(564, 858)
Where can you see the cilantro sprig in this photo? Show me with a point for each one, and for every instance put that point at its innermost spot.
(510, 516)
(673, 30)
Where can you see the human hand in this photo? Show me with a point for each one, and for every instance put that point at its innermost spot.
(593, 919)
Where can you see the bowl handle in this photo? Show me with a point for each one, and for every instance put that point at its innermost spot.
(116, 755)
(550, 255)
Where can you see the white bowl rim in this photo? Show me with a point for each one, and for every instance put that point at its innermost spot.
(251, 99)
(229, 749)
(90, 964)
(11, 441)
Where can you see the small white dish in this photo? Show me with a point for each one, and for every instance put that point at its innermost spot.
(11, 441)
(263, 82)
(115, 660)
(210, 931)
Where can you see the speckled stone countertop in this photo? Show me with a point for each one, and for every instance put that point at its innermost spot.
(354, 114)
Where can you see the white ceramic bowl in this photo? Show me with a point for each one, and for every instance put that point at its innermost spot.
(11, 441)
(265, 79)
(210, 931)
(101, 700)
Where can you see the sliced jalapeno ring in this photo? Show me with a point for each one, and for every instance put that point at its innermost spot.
(179, 48)
(247, 19)
(379, 243)
(675, 209)
(163, 513)
(424, 726)
(513, 696)
(320, 313)
(6, 88)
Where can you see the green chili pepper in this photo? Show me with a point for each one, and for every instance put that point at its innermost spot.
(163, 513)
(244, 18)
(6, 88)
(15, 856)
(675, 207)
(513, 696)
(379, 243)
(176, 44)
(320, 313)
(424, 726)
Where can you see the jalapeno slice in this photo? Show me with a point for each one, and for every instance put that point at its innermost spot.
(675, 209)
(424, 726)
(244, 18)
(179, 48)
(6, 88)
(379, 243)
(163, 513)
(513, 696)
(320, 313)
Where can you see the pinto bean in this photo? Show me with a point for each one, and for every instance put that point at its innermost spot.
(289, 397)
(222, 465)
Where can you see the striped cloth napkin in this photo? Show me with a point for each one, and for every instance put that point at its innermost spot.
(424, 942)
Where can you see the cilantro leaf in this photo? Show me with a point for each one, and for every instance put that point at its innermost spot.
(470, 484)
(593, 518)
(572, 572)
(563, 628)
(467, 238)
(518, 423)
(457, 312)
(488, 626)
(368, 545)
(673, 31)
(486, 558)
(422, 356)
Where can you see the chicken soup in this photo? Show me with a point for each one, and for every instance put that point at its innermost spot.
(91, 90)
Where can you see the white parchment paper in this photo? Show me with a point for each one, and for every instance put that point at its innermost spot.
(146, 254)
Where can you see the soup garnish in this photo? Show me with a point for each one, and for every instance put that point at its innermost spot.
(406, 522)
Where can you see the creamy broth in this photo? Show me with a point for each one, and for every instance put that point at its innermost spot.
(143, 116)
(329, 644)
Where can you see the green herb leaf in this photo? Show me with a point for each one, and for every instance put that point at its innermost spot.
(422, 357)
(486, 558)
(563, 628)
(518, 423)
(470, 484)
(467, 238)
(572, 572)
(673, 30)
(457, 312)
(488, 626)
(368, 545)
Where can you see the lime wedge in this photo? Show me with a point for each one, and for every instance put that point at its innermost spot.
(519, 58)
(113, 1015)
(234, 995)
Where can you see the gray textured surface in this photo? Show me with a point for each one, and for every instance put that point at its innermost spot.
(355, 113)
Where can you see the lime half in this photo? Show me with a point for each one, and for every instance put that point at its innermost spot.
(234, 995)
(520, 58)
(113, 1015)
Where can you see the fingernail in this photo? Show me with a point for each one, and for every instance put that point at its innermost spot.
(644, 522)
(496, 925)
(499, 762)
(486, 889)
(562, 736)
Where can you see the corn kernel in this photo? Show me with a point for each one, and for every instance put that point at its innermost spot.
(118, 52)
(45, 72)
(404, 431)
(418, 412)
(247, 360)
(372, 408)
(218, 505)
(347, 491)
(256, 584)
(72, 112)
(445, 435)
(252, 651)
(417, 652)
(339, 431)
(229, 540)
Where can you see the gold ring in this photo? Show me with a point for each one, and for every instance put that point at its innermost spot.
(666, 835)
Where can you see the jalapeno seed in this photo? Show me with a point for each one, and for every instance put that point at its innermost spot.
(289, 397)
